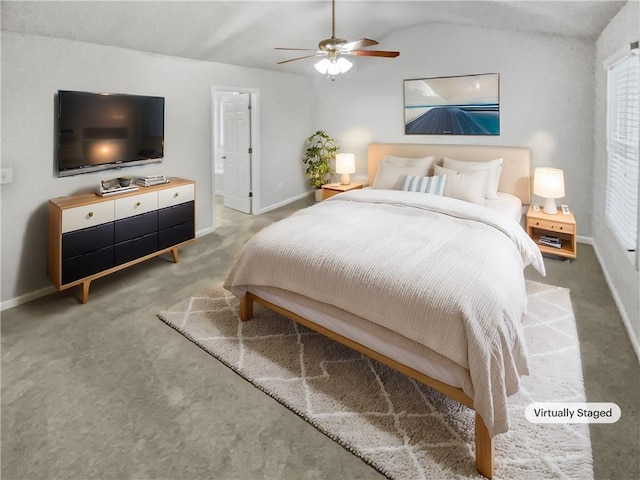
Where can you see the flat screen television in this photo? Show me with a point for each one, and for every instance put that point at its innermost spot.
(98, 131)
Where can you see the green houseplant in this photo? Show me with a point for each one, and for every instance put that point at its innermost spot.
(321, 149)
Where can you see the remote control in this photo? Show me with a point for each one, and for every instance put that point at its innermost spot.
(565, 209)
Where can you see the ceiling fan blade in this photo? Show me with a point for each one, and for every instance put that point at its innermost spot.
(301, 58)
(304, 49)
(373, 53)
(357, 44)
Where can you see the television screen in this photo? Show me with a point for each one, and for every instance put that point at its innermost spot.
(98, 131)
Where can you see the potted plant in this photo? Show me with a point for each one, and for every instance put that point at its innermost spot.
(321, 149)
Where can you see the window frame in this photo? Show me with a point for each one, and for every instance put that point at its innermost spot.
(617, 150)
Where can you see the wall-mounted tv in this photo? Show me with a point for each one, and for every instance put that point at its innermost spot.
(98, 131)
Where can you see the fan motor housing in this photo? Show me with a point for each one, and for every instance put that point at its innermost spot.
(331, 44)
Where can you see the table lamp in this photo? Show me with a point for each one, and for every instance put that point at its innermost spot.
(345, 164)
(548, 183)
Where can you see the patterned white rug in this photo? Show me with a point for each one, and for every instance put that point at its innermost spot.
(402, 428)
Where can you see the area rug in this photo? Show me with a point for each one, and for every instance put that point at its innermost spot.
(402, 428)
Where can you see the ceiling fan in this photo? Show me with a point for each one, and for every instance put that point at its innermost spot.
(334, 49)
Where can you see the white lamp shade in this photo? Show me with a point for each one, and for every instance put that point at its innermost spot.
(323, 65)
(345, 163)
(548, 182)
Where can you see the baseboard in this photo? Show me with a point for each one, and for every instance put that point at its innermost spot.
(616, 298)
(205, 231)
(585, 240)
(283, 203)
(27, 297)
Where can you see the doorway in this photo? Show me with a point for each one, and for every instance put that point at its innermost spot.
(234, 149)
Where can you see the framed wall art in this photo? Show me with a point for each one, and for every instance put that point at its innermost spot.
(460, 105)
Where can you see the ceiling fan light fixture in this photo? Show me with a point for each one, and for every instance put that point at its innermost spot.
(322, 66)
(344, 64)
(334, 68)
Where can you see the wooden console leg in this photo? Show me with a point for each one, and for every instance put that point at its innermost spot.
(85, 291)
(174, 253)
(246, 307)
(484, 449)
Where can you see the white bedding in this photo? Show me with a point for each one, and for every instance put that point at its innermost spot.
(508, 204)
(444, 273)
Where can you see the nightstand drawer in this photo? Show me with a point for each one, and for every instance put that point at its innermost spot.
(554, 226)
(326, 193)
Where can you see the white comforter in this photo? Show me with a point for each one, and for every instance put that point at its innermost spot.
(445, 273)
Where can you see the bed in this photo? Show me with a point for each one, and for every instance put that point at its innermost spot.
(428, 284)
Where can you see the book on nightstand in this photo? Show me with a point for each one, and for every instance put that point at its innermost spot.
(550, 240)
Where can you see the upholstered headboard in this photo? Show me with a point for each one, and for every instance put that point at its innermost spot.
(516, 166)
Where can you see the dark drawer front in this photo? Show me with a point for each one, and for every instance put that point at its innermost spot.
(87, 240)
(82, 266)
(176, 215)
(133, 227)
(175, 235)
(136, 248)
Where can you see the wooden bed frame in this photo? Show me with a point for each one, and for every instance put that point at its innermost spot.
(484, 443)
(515, 179)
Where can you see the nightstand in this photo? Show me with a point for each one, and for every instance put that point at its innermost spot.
(559, 225)
(331, 189)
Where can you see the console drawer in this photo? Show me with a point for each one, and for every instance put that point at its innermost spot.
(137, 226)
(168, 217)
(86, 240)
(136, 205)
(136, 248)
(176, 195)
(175, 235)
(83, 266)
(77, 218)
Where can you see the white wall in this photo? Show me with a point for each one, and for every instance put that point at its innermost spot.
(34, 68)
(546, 97)
(619, 266)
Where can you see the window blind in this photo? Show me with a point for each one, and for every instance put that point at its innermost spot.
(623, 131)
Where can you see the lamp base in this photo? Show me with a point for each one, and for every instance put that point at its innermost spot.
(550, 206)
(345, 180)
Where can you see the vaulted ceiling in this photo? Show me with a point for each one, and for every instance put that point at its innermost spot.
(246, 32)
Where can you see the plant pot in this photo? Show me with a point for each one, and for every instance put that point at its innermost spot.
(318, 193)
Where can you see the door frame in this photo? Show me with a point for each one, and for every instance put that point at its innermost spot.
(217, 90)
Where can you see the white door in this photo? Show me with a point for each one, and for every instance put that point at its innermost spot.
(236, 117)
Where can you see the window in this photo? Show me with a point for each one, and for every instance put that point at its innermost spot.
(623, 127)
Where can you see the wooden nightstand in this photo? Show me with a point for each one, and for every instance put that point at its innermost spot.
(331, 189)
(559, 225)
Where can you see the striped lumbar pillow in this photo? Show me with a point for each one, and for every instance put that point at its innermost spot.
(434, 185)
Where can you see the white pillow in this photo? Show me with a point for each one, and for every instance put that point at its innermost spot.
(494, 165)
(389, 176)
(433, 185)
(470, 185)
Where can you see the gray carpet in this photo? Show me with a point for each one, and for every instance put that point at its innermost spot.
(106, 391)
(402, 428)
